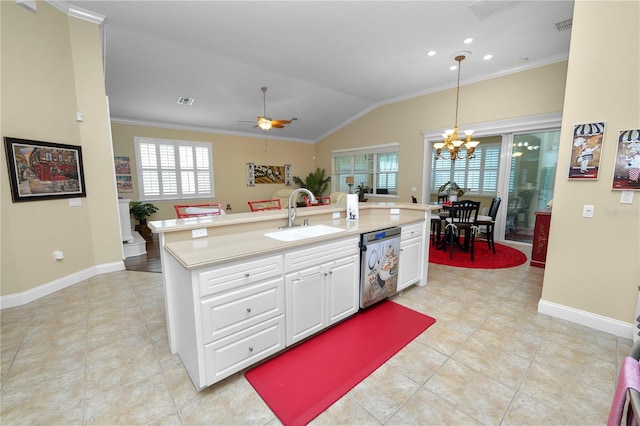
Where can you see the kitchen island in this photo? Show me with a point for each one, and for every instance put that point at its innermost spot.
(235, 296)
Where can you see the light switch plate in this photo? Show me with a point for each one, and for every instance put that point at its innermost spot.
(587, 210)
(199, 233)
(395, 211)
(336, 215)
(75, 202)
(626, 197)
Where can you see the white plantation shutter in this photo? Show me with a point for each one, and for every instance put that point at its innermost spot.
(375, 166)
(480, 174)
(169, 169)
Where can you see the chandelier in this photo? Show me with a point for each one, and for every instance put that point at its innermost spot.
(451, 143)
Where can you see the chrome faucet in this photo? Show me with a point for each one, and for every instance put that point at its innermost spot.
(292, 198)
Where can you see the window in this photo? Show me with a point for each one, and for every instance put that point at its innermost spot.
(480, 174)
(173, 170)
(376, 167)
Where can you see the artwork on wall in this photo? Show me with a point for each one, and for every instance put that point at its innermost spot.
(251, 181)
(124, 183)
(44, 170)
(123, 174)
(123, 165)
(268, 174)
(585, 151)
(626, 173)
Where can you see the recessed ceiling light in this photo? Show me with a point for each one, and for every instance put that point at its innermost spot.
(487, 57)
(183, 100)
(431, 53)
(468, 40)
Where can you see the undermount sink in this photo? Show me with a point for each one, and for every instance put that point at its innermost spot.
(303, 232)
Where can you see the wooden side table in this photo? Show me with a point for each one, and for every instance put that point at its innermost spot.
(540, 238)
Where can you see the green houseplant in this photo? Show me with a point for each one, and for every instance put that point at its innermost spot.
(452, 188)
(315, 182)
(141, 211)
(361, 190)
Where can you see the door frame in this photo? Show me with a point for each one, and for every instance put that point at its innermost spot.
(504, 128)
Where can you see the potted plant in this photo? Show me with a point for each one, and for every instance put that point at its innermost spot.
(361, 190)
(140, 212)
(315, 182)
(453, 190)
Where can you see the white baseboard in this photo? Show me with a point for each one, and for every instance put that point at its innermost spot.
(588, 319)
(36, 293)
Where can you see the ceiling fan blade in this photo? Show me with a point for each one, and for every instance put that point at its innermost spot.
(279, 126)
(280, 122)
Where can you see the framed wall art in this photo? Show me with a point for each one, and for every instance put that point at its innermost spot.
(586, 150)
(44, 170)
(626, 172)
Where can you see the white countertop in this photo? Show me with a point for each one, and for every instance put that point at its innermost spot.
(206, 251)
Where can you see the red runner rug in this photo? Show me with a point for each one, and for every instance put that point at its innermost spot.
(305, 380)
(505, 257)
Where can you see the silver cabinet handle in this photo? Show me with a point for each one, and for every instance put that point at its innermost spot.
(246, 274)
(249, 310)
(250, 348)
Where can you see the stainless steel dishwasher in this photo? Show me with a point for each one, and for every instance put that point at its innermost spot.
(379, 260)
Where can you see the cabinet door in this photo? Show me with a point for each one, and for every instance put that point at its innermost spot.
(343, 289)
(306, 303)
(410, 270)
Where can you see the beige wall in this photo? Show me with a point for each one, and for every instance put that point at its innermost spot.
(537, 91)
(52, 68)
(592, 264)
(230, 155)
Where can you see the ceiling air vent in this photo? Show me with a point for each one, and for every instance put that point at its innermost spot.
(486, 8)
(564, 25)
(183, 100)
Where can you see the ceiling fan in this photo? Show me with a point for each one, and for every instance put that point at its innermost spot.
(265, 122)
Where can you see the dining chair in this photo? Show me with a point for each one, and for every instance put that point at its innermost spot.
(320, 201)
(198, 210)
(260, 205)
(462, 219)
(489, 222)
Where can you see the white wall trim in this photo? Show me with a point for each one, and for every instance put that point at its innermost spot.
(36, 293)
(588, 319)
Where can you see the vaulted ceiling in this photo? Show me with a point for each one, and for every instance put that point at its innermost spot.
(325, 63)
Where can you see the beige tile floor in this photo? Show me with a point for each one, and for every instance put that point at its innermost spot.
(96, 354)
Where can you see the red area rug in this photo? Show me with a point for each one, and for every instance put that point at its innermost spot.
(306, 379)
(505, 257)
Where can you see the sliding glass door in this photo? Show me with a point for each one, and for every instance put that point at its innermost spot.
(531, 179)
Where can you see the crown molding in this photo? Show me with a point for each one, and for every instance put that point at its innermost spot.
(77, 12)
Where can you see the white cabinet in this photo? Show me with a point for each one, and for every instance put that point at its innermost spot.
(230, 316)
(412, 255)
(321, 287)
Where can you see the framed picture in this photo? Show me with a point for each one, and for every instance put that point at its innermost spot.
(626, 172)
(124, 183)
(123, 165)
(585, 151)
(44, 170)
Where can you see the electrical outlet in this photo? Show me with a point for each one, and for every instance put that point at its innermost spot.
(395, 211)
(414, 189)
(199, 233)
(626, 197)
(587, 210)
(58, 255)
(336, 215)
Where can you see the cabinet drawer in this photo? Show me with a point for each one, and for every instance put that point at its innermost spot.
(233, 353)
(238, 274)
(319, 254)
(231, 311)
(412, 231)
